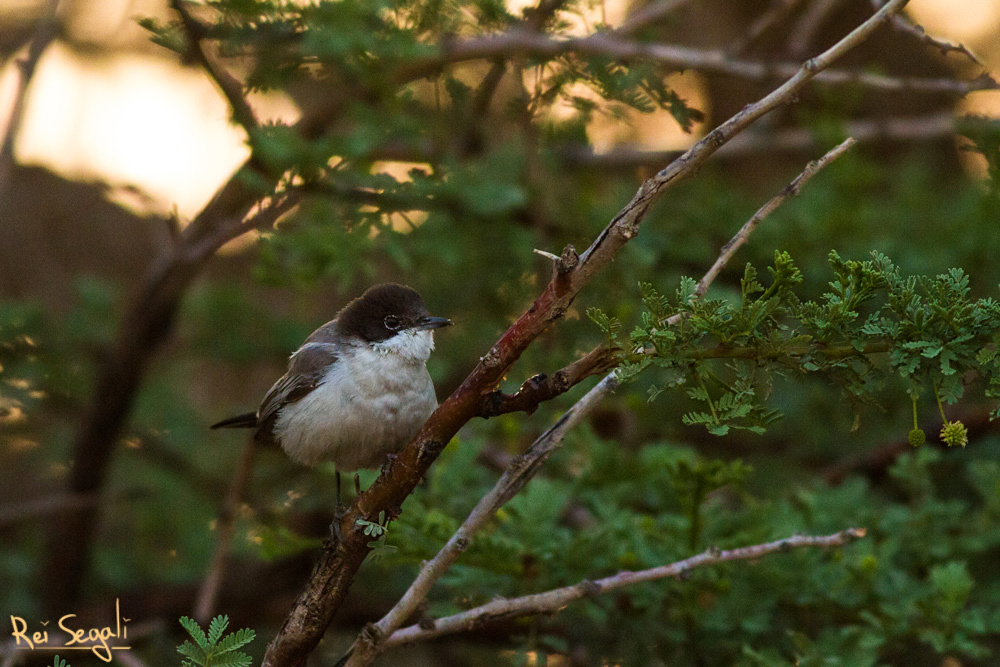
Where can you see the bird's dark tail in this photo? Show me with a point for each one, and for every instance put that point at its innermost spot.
(247, 420)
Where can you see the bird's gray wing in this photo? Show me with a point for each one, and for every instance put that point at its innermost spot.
(306, 369)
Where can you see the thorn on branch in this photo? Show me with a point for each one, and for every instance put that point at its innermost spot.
(568, 261)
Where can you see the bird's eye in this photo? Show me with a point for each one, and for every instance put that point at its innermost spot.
(392, 323)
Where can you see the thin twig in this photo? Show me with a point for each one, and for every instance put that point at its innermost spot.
(554, 600)
(932, 126)
(765, 22)
(521, 469)
(801, 37)
(524, 466)
(710, 61)
(647, 15)
(788, 192)
(336, 566)
(42, 507)
(230, 87)
(45, 34)
(903, 24)
(208, 592)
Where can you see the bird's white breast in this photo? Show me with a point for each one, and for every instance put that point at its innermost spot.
(371, 401)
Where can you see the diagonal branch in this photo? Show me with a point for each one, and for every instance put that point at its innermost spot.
(334, 571)
(554, 600)
(47, 30)
(524, 466)
(765, 22)
(231, 88)
(648, 15)
(790, 191)
(901, 23)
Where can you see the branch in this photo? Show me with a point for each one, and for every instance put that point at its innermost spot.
(931, 126)
(145, 326)
(800, 40)
(901, 23)
(554, 600)
(764, 23)
(534, 20)
(514, 42)
(790, 191)
(524, 466)
(45, 33)
(231, 88)
(371, 641)
(208, 592)
(337, 564)
(647, 15)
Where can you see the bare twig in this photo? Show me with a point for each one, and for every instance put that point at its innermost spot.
(230, 87)
(42, 507)
(337, 564)
(45, 33)
(903, 24)
(648, 15)
(789, 191)
(917, 128)
(679, 58)
(208, 592)
(367, 647)
(801, 37)
(765, 22)
(554, 600)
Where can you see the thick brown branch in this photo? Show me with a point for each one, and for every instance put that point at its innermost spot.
(339, 561)
(146, 325)
(554, 600)
(540, 388)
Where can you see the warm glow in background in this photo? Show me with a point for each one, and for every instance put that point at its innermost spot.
(134, 118)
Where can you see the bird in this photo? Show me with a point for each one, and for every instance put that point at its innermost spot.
(357, 390)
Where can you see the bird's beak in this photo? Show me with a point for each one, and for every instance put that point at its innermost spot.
(425, 323)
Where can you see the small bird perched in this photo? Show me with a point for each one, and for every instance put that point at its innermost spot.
(358, 389)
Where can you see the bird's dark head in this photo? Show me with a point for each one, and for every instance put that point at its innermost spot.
(387, 311)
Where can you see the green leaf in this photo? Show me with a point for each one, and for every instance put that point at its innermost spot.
(195, 631)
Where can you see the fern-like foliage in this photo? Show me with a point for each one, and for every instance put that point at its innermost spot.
(928, 329)
(214, 649)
